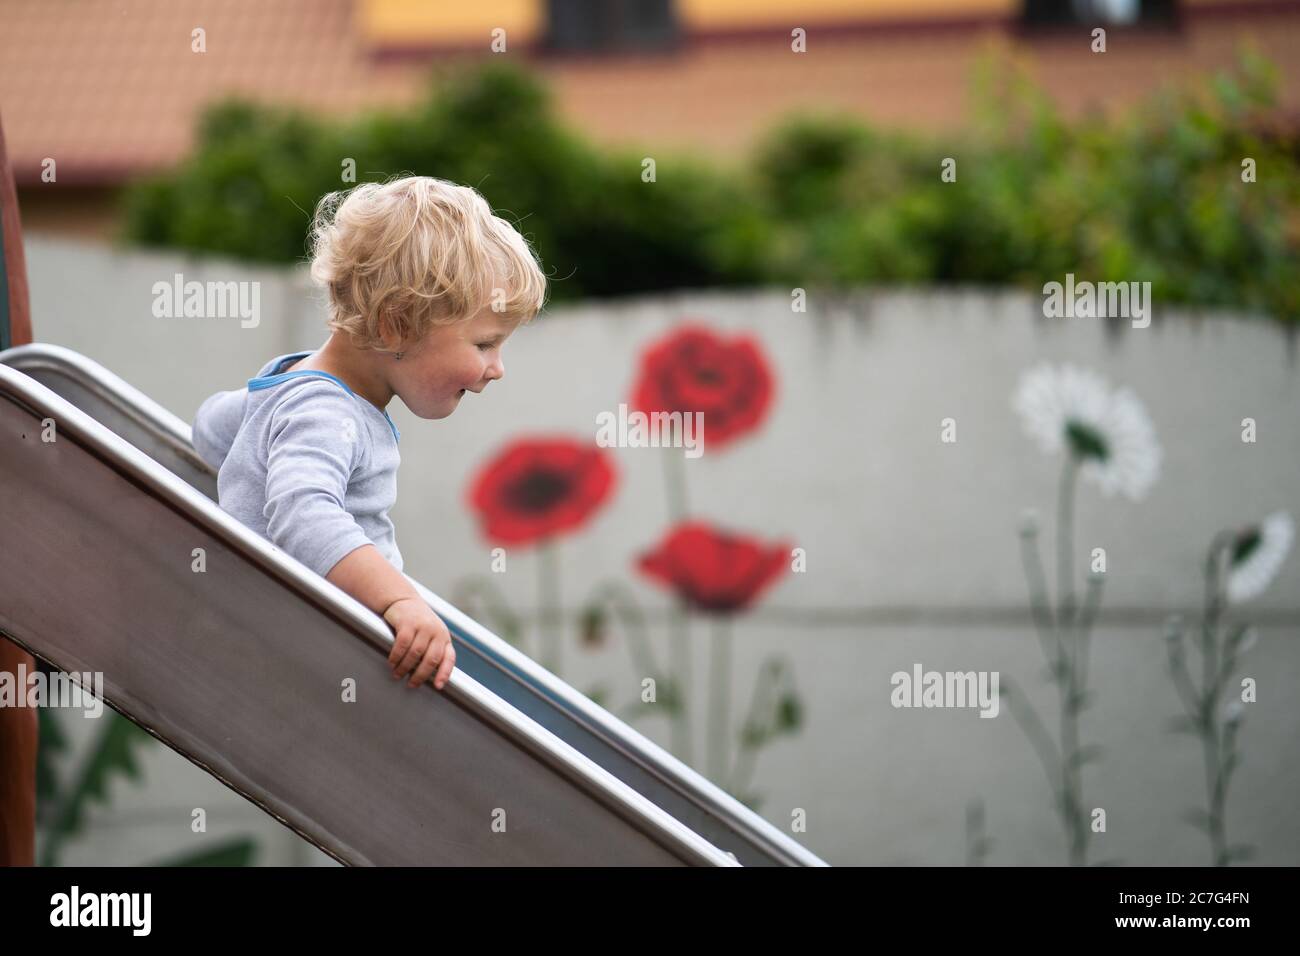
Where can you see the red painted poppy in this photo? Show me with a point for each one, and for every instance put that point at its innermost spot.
(694, 370)
(540, 487)
(715, 570)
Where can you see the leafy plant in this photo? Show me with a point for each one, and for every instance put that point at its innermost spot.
(61, 810)
(1156, 195)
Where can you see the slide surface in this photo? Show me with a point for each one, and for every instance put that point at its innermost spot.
(117, 560)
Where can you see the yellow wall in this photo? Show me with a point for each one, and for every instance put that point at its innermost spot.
(451, 22)
(454, 23)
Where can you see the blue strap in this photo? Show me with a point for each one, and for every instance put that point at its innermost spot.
(269, 381)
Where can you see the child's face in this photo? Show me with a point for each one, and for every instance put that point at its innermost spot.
(433, 376)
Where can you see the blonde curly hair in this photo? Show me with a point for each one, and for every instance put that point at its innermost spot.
(416, 252)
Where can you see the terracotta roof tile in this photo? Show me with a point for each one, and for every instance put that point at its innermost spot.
(108, 86)
(109, 89)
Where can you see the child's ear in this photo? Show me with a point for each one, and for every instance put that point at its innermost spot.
(388, 331)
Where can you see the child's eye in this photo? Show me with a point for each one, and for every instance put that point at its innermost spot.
(485, 345)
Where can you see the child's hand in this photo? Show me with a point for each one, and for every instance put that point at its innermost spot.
(422, 643)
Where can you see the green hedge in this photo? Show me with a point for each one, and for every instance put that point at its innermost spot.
(1156, 196)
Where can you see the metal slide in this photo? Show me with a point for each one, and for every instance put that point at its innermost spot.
(239, 663)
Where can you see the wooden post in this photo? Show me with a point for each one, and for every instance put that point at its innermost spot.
(17, 724)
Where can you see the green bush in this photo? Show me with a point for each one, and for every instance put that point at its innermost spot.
(257, 174)
(1156, 196)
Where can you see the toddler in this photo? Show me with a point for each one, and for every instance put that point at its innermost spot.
(425, 285)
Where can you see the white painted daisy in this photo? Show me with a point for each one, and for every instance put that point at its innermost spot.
(1107, 431)
(1256, 554)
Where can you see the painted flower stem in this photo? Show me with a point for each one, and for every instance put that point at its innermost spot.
(1064, 637)
(615, 596)
(678, 507)
(548, 588)
(675, 481)
(1210, 740)
(1037, 733)
(1108, 438)
(719, 699)
(761, 702)
(1217, 735)
(681, 643)
(1065, 545)
(505, 622)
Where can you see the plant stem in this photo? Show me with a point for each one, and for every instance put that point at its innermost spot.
(720, 683)
(675, 480)
(612, 594)
(769, 678)
(548, 586)
(681, 727)
(1073, 816)
(63, 821)
(1207, 720)
(1044, 624)
(494, 605)
(1065, 546)
(1214, 790)
(1037, 733)
(615, 596)
(1088, 617)
(678, 508)
(1183, 682)
(1060, 768)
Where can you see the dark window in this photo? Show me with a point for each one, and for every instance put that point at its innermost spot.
(610, 26)
(1098, 13)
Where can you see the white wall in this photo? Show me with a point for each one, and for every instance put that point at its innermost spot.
(912, 544)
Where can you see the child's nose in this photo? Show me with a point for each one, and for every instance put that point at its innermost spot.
(497, 369)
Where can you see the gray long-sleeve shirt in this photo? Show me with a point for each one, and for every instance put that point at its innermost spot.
(305, 462)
